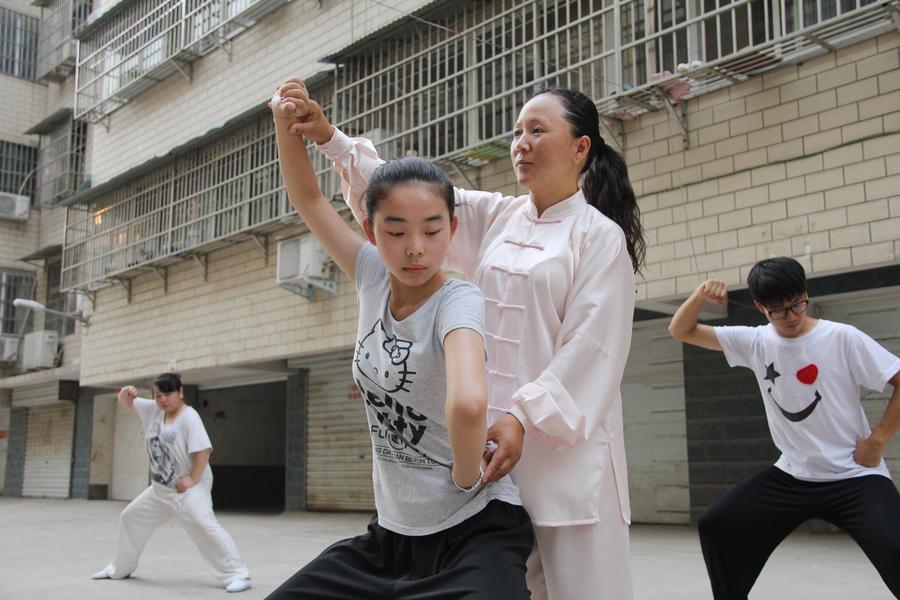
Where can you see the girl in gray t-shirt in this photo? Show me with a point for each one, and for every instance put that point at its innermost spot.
(419, 363)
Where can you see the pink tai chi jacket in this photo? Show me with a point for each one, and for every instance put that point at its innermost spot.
(559, 291)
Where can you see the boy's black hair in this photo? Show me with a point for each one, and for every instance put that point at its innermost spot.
(168, 382)
(776, 280)
(407, 170)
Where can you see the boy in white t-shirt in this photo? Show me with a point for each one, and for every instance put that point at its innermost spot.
(831, 466)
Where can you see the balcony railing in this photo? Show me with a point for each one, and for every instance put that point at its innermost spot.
(56, 47)
(222, 192)
(146, 41)
(735, 42)
(452, 92)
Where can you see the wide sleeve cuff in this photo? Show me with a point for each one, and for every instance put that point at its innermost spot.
(551, 411)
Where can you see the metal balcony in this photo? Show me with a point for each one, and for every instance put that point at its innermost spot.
(61, 155)
(764, 37)
(138, 43)
(452, 92)
(56, 47)
(207, 195)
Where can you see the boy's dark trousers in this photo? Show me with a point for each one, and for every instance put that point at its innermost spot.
(482, 558)
(742, 528)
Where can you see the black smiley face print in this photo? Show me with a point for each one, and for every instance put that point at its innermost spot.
(806, 376)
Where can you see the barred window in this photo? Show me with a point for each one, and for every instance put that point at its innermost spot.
(61, 171)
(18, 44)
(14, 284)
(145, 41)
(58, 300)
(447, 90)
(17, 163)
(451, 90)
(203, 198)
(56, 47)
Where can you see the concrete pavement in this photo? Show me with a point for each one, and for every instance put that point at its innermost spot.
(51, 547)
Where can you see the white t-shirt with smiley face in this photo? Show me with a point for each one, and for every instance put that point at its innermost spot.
(811, 390)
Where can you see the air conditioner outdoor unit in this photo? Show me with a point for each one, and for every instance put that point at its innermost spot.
(304, 265)
(40, 350)
(14, 207)
(9, 348)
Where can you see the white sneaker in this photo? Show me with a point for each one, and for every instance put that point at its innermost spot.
(102, 574)
(238, 585)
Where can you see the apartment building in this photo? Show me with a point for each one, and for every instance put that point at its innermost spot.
(42, 151)
(751, 128)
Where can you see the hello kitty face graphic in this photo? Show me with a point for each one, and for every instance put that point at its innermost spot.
(381, 359)
(806, 376)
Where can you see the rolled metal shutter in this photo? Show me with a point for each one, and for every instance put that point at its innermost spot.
(339, 449)
(48, 451)
(4, 444)
(653, 405)
(45, 394)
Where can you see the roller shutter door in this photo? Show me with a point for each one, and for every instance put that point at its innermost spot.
(339, 450)
(48, 451)
(4, 443)
(655, 427)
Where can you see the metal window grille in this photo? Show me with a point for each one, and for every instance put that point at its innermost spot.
(60, 301)
(17, 164)
(453, 91)
(56, 48)
(151, 39)
(18, 43)
(727, 42)
(61, 168)
(14, 284)
(437, 92)
(215, 193)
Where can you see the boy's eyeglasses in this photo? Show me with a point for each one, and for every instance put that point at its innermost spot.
(798, 308)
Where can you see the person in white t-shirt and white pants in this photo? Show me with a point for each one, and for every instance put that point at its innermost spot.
(180, 486)
(810, 372)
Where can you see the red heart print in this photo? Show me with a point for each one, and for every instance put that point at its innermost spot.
(808, 374)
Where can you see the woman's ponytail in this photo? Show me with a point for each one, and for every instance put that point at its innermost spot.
(607, 188)
(606, 185)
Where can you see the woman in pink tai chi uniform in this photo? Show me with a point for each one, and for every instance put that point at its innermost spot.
(556, 267)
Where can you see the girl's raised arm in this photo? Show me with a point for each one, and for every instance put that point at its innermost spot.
(335, 235)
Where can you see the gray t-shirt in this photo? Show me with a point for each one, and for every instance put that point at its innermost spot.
(399, 368)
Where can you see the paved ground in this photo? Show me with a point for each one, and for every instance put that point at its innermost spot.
(51, 547)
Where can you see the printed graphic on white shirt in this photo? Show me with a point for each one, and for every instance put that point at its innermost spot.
(810, 386)
(162, 464)
(806, 376)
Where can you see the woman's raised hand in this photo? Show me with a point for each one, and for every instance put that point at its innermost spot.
(303, 116)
